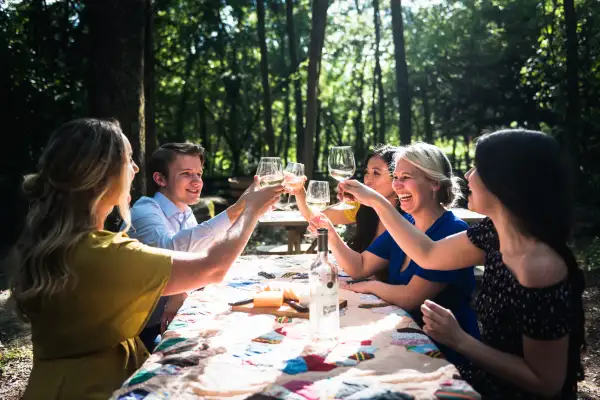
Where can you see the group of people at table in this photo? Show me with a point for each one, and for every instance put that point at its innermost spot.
(98, 300)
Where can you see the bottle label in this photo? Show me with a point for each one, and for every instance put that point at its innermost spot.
(329, 309)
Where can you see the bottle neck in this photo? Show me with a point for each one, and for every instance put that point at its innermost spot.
(322, 240)
(323, 255)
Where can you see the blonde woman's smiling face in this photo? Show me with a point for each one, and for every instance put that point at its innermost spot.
(413, 188)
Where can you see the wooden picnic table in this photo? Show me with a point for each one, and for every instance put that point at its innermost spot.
(296, 225)
(210, 352)
(293, 222)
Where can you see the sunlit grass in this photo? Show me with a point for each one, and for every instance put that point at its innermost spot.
(15, 353)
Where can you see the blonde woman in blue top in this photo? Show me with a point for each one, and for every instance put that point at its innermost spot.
(425, 186)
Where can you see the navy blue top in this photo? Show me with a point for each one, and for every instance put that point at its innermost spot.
(458, 293)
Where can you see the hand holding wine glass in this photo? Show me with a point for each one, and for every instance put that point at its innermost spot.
(319, 220)
(260, 200)
(341, 167)
(293, 181)
(270, 172)
(361, 192)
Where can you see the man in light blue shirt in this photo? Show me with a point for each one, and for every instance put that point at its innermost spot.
(166, 220)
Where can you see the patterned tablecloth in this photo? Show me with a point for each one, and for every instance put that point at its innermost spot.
(210, 352)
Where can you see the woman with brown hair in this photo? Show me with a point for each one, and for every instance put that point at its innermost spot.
(87, 292)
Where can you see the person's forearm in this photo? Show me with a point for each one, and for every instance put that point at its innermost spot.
(224, 252)
(198, 238)
(302, 206)
(506, 366)
(235, 210)
(414, 243)
(397, 295)
(348, 259)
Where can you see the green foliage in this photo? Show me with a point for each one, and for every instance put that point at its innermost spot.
(473, 66)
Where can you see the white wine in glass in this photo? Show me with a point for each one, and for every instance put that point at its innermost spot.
(341, 167)
(316, 205)
(270, 172)
(317, 198)
(271, 180)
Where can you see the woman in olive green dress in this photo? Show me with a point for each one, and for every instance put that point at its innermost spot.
(87, 292)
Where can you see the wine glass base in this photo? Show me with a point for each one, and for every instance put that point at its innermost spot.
(342, 206)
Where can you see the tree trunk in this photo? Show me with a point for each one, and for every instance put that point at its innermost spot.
(116, 86)
(401, 73)
(586, 65)
(183, 98)
(264, 71)
(282, 137)
(427, 113)
(358, 119)
(293, 49)
(374, 112)
(233, 85)
(317, 37)
(467, 148)
(327, 143)
(378, 73)
(288, 122)
(317, 148)
(453, 156)
(149, 83)
(571, 133)
(203, 125)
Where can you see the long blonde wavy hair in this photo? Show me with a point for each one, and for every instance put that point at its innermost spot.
(84, 161)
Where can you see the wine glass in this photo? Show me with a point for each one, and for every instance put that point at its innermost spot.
(317, 198)
(341, 168)
(292, 179)
(270, 171)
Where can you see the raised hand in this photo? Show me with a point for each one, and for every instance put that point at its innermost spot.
(260, 200)
(293, 184)
(361, 193)
(319, 220)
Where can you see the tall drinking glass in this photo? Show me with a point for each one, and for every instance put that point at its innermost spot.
(317, 198)
(292, 180)
(341, 167)
(270, 172)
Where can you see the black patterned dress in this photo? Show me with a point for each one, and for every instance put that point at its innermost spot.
(507, 310)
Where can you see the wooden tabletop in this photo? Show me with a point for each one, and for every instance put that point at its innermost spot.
(283, 218)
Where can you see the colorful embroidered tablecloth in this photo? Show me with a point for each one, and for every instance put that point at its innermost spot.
(213, 353)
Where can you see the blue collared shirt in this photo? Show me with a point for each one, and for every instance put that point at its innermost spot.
(156, 221)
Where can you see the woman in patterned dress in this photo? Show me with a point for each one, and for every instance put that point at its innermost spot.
(530, 304)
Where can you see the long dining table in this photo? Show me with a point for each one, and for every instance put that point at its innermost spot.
(212, 352)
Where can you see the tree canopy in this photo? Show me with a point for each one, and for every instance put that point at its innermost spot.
(235, 75)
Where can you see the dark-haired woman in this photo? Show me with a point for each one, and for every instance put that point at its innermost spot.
(377, 176)
(530, 303)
